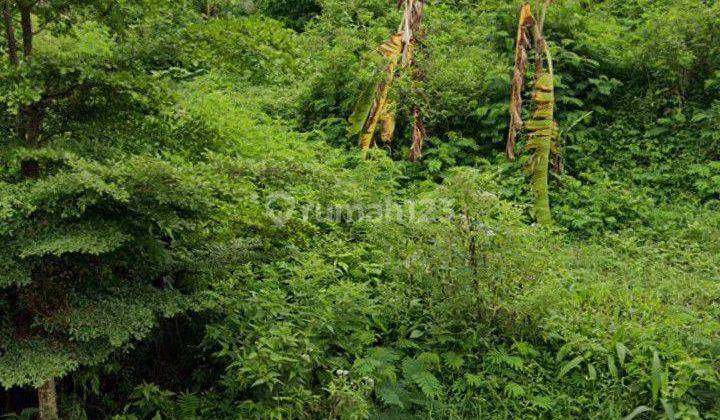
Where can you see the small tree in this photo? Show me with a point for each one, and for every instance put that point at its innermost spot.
(95, 245)
(542, 128)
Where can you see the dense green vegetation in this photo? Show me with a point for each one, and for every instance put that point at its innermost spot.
(190, 230)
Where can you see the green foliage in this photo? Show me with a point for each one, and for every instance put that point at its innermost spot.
(96, 239)
(192, 238)
(87, 236)
(294, 14)
(254, 48)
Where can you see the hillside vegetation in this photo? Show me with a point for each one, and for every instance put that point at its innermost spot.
(190, 229)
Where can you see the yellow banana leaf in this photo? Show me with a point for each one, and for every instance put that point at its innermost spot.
(387, 123)
(391, 50)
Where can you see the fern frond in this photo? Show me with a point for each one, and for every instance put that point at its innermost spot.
(384, 354)
(429, 360)
(502, 358)
(428, 384)
(474, 380)
(390, 395)
(513, 390)
(416, 371)
(366, 366)
(453, 360)
(189, 405)
(412, 367)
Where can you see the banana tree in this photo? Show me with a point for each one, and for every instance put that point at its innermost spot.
(374, 108)
(372, 105)
(542, 129)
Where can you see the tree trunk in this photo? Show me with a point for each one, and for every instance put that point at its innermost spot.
(33, 116)
(30, 116)
(47, 401)
(27, 30)
(10, 34)
(30, 121)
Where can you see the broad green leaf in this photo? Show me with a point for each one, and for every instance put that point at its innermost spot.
(636, 412)
(574, 363)
(656, 376)
(622, 352)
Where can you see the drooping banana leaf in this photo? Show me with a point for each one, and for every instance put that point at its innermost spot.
(412, 27)
(364, 104)
(387, 122)
(412, 18)
(373, 106)
(542, 130)
(522, 43)
(391, 50)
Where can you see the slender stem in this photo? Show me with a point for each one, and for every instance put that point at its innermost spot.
(537, 40)
(543, 14)
(548, 57)
(546, 48)
(402, 22)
